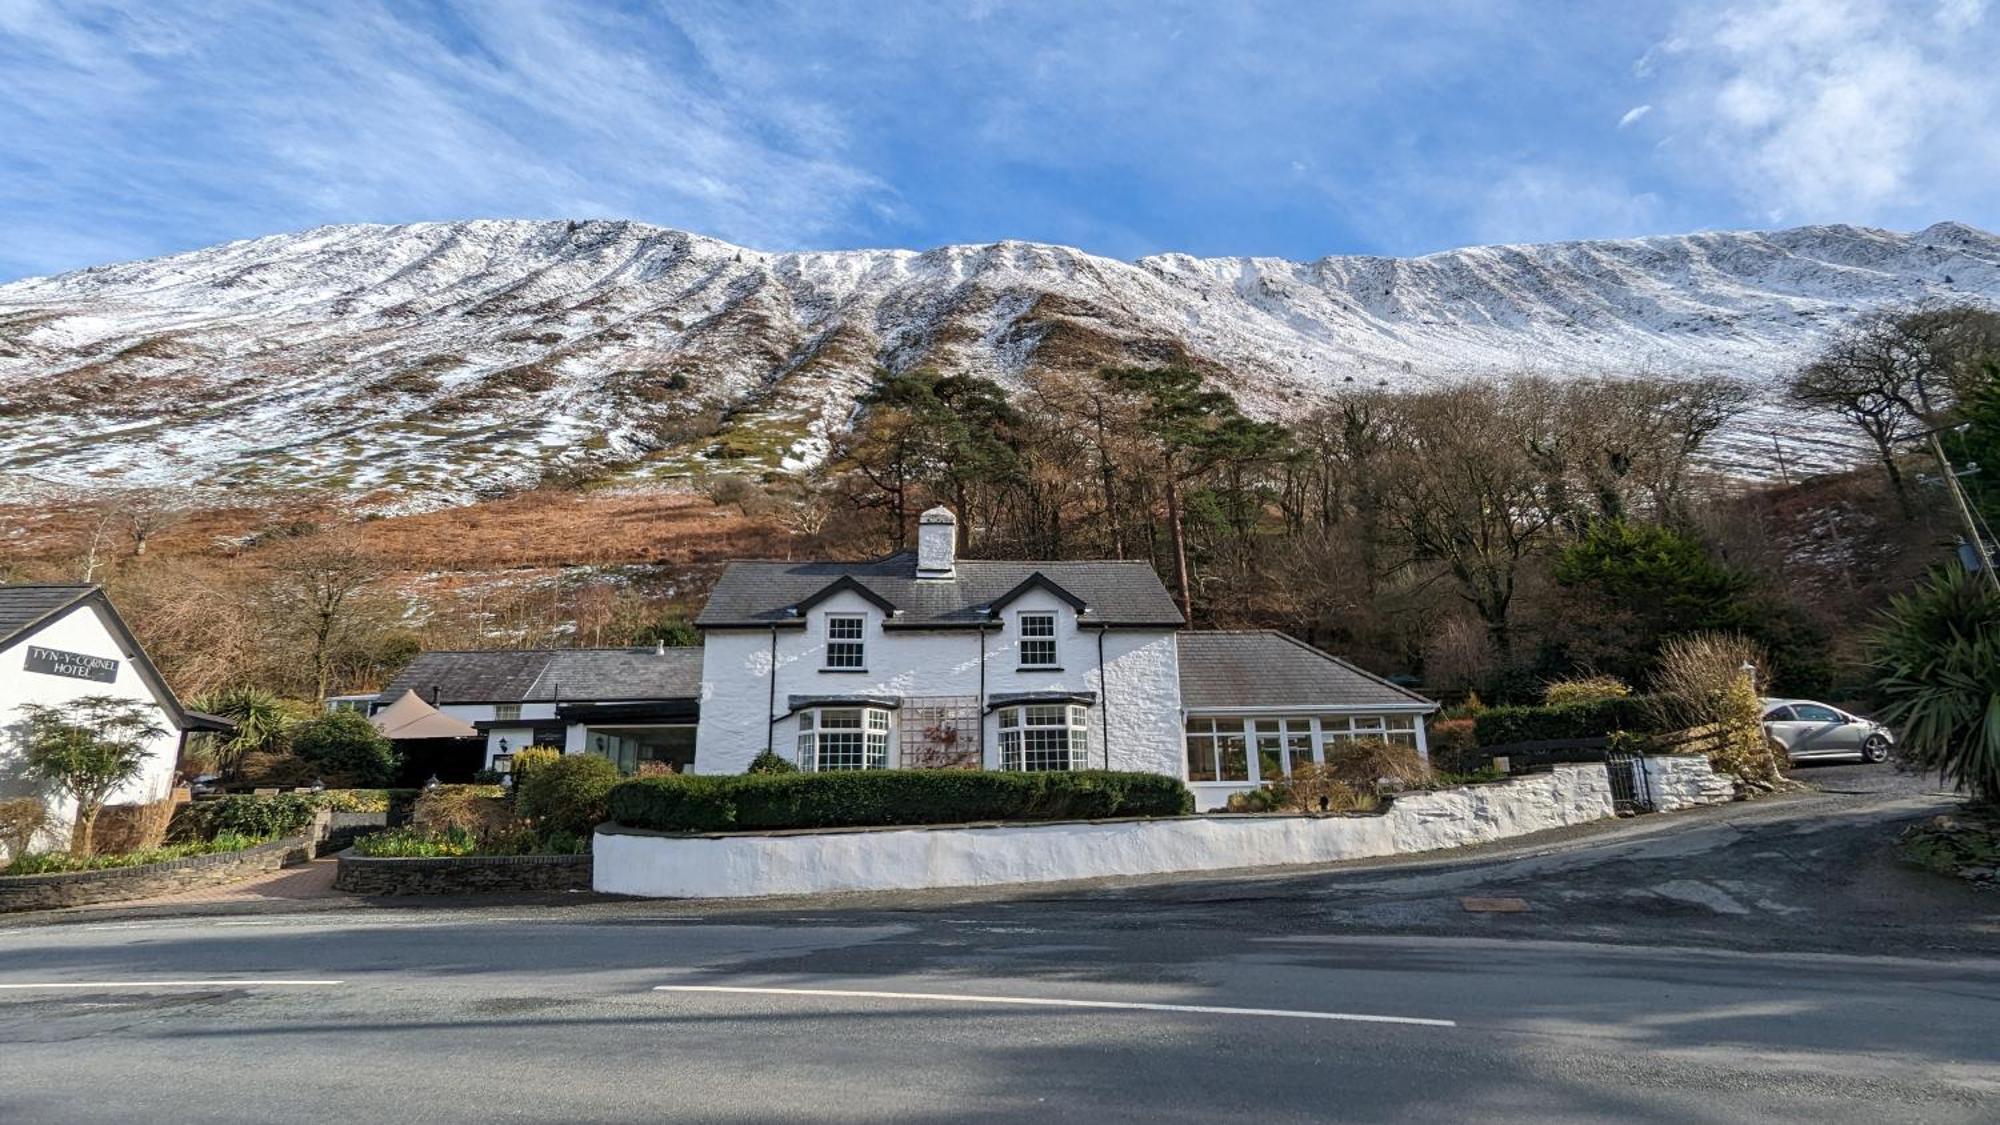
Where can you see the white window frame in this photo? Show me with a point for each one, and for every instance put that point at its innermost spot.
(506, 712)
(1044, 736)
(1212, 732)
(1054, 662)
(856, 645)
(1292, 736)
(838, 737)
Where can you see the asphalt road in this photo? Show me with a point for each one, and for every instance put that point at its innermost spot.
(1255, 999)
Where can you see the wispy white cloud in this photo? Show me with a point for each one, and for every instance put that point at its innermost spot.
(264, 116)
(1847, 110)
(1633, 115)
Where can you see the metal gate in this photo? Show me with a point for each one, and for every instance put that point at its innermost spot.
(1631, 789)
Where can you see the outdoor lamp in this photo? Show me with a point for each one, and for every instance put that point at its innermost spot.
(318, 786)
(432, 783)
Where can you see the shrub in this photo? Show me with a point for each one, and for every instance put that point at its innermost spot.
(1316, 788)
(1368, 763)
(861, 798)
(1501, 726)
(366, 800)
(568, 795)
(345, 748)
(770, 761)
(480, 810)
(1936, 659)
(1692, 683)
(132, 828)
(1585, 689)
(280, 769)
(526, 762)
(1454, 746)
(261, 818)
(21, 820)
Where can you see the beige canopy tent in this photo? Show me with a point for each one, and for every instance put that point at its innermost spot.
(411, 718)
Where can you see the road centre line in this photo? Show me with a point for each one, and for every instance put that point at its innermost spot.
(224, 983)
(1038, 1001)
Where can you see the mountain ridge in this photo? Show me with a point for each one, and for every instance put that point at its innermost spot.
(415, 365)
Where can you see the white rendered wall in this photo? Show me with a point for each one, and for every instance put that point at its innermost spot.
(80, 630)
(740, 866)
(1140, 688)
(1683, 781)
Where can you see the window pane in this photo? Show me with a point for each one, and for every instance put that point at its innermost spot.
(1038, 625)
(1270, 756)
(1300, 749)
(840, 720)
(1235, 764)
(1010, 749)
(1201, 757)
(843, 628)
(1267, 726)
(806, 753)
(1045, 716)
(1010, 717)
(1814, 713)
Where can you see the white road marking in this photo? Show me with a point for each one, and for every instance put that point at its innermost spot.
(1038, 1001)
(224, 983)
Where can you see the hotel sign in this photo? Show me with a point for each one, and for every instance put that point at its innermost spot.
(76, 665)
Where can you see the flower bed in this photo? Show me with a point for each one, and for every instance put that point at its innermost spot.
(49, 863)
(118, 884)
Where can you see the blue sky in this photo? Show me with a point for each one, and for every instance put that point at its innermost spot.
(1291, 129)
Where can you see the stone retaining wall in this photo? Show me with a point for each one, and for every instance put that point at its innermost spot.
(1683, 781)
(662, 865)
(118, 884)
(459, 875)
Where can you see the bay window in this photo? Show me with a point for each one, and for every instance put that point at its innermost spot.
(1051, 736)
(843, 738)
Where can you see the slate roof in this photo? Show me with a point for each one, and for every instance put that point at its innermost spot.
(545, 675)
(762, 594)
(1228, 670)
(23, 607)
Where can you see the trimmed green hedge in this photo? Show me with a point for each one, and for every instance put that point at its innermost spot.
(872, 798)
(1500, 726)
(266, 817)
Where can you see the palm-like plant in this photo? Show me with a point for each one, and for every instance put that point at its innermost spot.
(1936, 658)
(262, 719)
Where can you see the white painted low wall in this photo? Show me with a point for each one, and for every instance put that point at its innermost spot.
(738, 866)
(1683, 781)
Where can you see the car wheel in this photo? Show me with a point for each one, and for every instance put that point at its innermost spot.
(1876, 749)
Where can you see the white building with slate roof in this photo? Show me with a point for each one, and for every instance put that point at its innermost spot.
(64, 643)
(923, 659)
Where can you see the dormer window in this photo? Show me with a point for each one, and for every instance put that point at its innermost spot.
(1038, 640)
(845, 650)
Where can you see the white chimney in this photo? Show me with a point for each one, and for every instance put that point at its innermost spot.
(937, 544)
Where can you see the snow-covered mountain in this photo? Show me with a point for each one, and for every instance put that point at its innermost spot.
(433, 363)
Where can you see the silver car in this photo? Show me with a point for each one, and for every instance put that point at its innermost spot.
(1807, 729)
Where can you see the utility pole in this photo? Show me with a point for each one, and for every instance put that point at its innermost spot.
(1979, 550)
